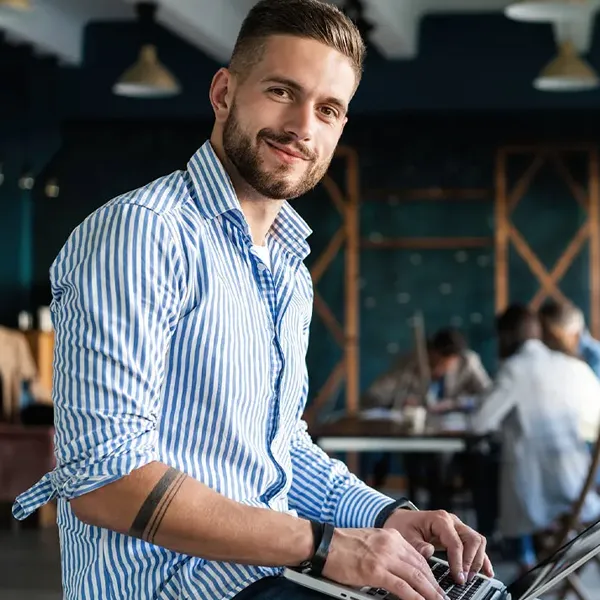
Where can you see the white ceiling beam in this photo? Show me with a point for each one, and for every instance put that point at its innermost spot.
(396, 27)
(211, 25)
(397, 22)
(48, 29)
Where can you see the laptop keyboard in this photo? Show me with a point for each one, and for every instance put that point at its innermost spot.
(452, 589)
(445, 581)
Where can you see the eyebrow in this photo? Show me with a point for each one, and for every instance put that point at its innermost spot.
(294, 85)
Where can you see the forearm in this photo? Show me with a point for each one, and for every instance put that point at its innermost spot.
(165, 507)
(324, 489)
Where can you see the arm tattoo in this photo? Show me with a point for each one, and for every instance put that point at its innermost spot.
(150, 515)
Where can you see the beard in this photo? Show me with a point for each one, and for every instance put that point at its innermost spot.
(274, 183)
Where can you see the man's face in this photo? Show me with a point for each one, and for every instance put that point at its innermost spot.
(441, 365)
(286, 117)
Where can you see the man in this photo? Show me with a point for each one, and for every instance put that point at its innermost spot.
(182, 313)
(539, 402)
(457, 377)
(564, 329)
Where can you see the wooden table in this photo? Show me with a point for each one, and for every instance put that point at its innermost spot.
(353, 434)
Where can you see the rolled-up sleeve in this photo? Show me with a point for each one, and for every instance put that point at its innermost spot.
(117, 287)
(323, 489)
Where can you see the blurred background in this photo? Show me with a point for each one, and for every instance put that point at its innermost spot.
(470, 162)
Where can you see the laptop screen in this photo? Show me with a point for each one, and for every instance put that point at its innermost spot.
(585, 545)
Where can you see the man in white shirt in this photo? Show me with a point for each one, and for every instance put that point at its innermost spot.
(540, 403)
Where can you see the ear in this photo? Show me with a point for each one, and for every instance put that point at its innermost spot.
(221, 94)
(343, 125)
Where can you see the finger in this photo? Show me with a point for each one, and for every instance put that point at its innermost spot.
(474, 546)
(444, 528)
(414, 558)
(410, 584)
(479, 557)
(487, 568)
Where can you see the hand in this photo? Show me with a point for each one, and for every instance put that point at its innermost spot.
(380, 558)
(443, 406)
(412, 401)
(428, 531)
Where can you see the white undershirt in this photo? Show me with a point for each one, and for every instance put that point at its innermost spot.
(263, 254)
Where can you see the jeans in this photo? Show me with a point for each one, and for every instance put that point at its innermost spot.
(278, 588)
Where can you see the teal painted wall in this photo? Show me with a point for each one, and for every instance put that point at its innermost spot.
(412, 123)
(99, 160)
(449, 286)
(29, 136)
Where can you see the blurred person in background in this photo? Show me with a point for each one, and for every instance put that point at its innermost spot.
(563, 329)
(457, 379)
(456, 372)
(538, 405)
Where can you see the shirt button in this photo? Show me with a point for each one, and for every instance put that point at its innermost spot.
(261, 267)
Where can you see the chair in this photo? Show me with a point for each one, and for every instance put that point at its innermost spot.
(570, 525)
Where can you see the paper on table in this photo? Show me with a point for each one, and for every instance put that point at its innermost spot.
(382, 414)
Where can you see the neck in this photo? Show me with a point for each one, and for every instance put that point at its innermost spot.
(260, 212)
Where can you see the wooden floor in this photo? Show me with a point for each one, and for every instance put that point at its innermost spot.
(30, 567)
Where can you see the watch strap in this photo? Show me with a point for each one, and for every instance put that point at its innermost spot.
(320, 556)
(323, 534)
(386, 511)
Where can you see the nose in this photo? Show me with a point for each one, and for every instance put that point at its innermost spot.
(301, 122)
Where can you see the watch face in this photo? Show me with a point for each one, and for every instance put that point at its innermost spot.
(305, 567)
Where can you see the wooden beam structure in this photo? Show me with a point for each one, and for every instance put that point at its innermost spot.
(427, 243)
(508, 197)
(436, 194)
(345, 329)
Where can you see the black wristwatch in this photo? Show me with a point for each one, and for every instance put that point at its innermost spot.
(386, 511)
(322, 535)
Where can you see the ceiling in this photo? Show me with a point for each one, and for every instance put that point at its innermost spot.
(56, 27)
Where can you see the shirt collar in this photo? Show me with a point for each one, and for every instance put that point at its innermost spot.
(216, 196)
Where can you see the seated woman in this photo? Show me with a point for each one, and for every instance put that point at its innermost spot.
(537, 404)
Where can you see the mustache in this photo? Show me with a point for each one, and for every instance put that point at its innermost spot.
(286, 139)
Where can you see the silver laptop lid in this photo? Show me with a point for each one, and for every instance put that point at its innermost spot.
(563, 562)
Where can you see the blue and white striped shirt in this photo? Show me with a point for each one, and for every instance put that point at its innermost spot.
(175, 343)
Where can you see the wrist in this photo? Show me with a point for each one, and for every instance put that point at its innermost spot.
(304, 542)
(322, 536)
(387, 511)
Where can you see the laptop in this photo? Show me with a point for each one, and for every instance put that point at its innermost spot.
(530, 586)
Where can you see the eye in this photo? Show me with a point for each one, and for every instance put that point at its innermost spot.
(329, 112)
(279, 93)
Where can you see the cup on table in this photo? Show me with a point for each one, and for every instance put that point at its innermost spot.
(415, 417)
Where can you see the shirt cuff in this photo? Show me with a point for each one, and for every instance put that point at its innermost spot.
(68, 482)
(359, 506)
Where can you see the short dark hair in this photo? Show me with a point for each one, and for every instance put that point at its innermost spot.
(448, 342)
(310, 19)
(517, 324)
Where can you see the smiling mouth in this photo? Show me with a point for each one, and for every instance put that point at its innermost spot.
(288, 152)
